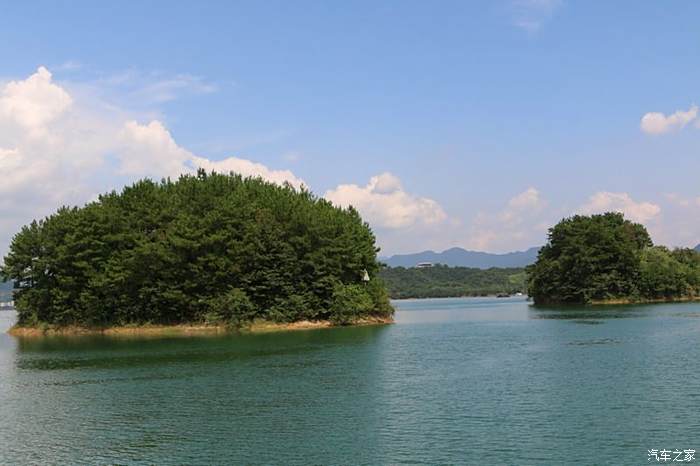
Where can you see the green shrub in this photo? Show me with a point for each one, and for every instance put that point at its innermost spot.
(349, 303)
(231, 308)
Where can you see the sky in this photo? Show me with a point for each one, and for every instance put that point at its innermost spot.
(470, 124)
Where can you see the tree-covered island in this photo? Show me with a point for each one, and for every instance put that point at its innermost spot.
(207, 249)
(607, 259)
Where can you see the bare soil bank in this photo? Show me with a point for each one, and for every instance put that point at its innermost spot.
(257, 326)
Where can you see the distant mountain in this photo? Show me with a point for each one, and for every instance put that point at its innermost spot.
(6, 286)
(697, 248)
(455, 257)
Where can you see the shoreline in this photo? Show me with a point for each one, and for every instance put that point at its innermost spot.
(187, 330)
(623, 302)
(459, 297)
(616, 301)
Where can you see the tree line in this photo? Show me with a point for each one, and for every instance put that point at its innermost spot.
(441, 281)
(209, 247)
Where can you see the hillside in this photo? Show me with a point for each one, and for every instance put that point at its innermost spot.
(458, 257)
(442, 281)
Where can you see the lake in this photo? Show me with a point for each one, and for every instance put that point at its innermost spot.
(454, 381)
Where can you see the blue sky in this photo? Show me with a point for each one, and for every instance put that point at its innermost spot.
(474, 124)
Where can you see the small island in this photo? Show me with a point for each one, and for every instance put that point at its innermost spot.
(606, 259)
(207, 252)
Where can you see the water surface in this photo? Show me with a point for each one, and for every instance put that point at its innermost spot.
(487, 381)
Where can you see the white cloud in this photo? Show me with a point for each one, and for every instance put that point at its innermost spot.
(677, 199)
(525, 204)
(530, 15)
(61, 147)
(519, 224)
(678, 224)
(384, 203)
(34, 102)
(527, 199)
(658, 123)
(248, 168)
(69, 65)
(641, 212)
(169, 88)
(7, 154)
(137, 87)
(292, 156)
(151, 150)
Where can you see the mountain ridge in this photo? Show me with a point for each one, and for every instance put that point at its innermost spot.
(460, 257)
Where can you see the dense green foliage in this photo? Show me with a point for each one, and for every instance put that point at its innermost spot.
(668, 274)
(606, 258)
(205, 248)
(441, 281)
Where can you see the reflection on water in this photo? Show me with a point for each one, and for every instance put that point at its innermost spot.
(461, 309)
(454, 381)
(600, 313)
(595, 341)
(60, 352)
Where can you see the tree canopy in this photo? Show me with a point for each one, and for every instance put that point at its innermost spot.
(204, 248)
(606, 257)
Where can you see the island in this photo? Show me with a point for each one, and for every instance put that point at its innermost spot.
(206, 252)
(606, 259)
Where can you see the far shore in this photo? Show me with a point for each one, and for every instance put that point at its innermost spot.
(459, 297)
(598, 302)
(255, 327)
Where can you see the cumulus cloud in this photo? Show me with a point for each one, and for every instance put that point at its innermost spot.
(677, 223)
(34, 102)
(249, 168)
(59, 148)
(658, 123)
(641, 212)
(384, 203)
(526, 203)
(529, 198)
(519, 224)
(150, 150)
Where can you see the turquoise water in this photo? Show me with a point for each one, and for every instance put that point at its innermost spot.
(454, 381)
